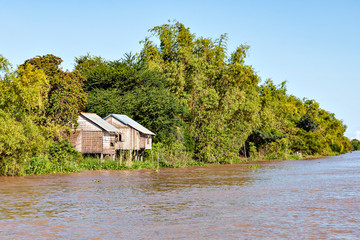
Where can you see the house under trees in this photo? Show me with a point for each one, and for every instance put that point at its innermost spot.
(133, 136)
(95, 135)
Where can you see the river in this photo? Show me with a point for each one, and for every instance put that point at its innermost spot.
(308, 199)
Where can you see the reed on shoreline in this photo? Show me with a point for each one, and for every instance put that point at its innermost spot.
(37, 166)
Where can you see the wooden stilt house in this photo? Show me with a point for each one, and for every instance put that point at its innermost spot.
(93, 135)
(132, 136)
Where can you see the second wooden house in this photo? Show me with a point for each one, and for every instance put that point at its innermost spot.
(132, 136)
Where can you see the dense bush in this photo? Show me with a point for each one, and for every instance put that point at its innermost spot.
(355, 144)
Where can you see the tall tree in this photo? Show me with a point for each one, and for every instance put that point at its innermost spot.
(21, 100)
(219, 93)
(65, 97)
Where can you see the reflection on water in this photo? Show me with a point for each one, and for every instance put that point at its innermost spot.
(314, 199)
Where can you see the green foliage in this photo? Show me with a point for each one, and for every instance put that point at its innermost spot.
(30, 137)
(219, 94)
(290, 125)
(30, 88)
(355, 144)
(43, 165)
(253, 151)
(63, 151)
(39, 165)
(174, 155)
(20, 139)
(308, 123)
(5, 65)
(65, 96)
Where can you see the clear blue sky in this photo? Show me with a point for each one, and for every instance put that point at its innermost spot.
(313, 45)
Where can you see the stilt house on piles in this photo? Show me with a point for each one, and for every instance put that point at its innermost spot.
(133, 136)
(93, 135)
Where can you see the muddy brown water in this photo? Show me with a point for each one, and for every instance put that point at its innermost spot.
(312, 199)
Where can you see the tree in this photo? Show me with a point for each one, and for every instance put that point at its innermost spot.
(27, 106)
(308, 123)
(219, 93)
(356, 144)
(65, 97)
(21, 100)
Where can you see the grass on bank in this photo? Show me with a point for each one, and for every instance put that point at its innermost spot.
(44, 166)
(64, 159)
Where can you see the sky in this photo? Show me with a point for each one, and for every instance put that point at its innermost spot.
(313, 45)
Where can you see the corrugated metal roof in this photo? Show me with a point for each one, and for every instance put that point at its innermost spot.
(128, 121)
(97, 120)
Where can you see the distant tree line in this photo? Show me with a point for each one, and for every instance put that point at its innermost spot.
(203, 103)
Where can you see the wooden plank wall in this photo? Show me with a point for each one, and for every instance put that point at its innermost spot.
(108, 143)
(92, 142)
(125, 131)
(145, 141)
(131, 139)
(75, 139)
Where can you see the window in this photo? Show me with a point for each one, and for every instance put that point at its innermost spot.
(120, 138)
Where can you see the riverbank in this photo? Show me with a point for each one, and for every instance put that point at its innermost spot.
(38, 166)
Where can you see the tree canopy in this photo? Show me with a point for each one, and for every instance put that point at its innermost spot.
(65, 96)
(36, 102)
